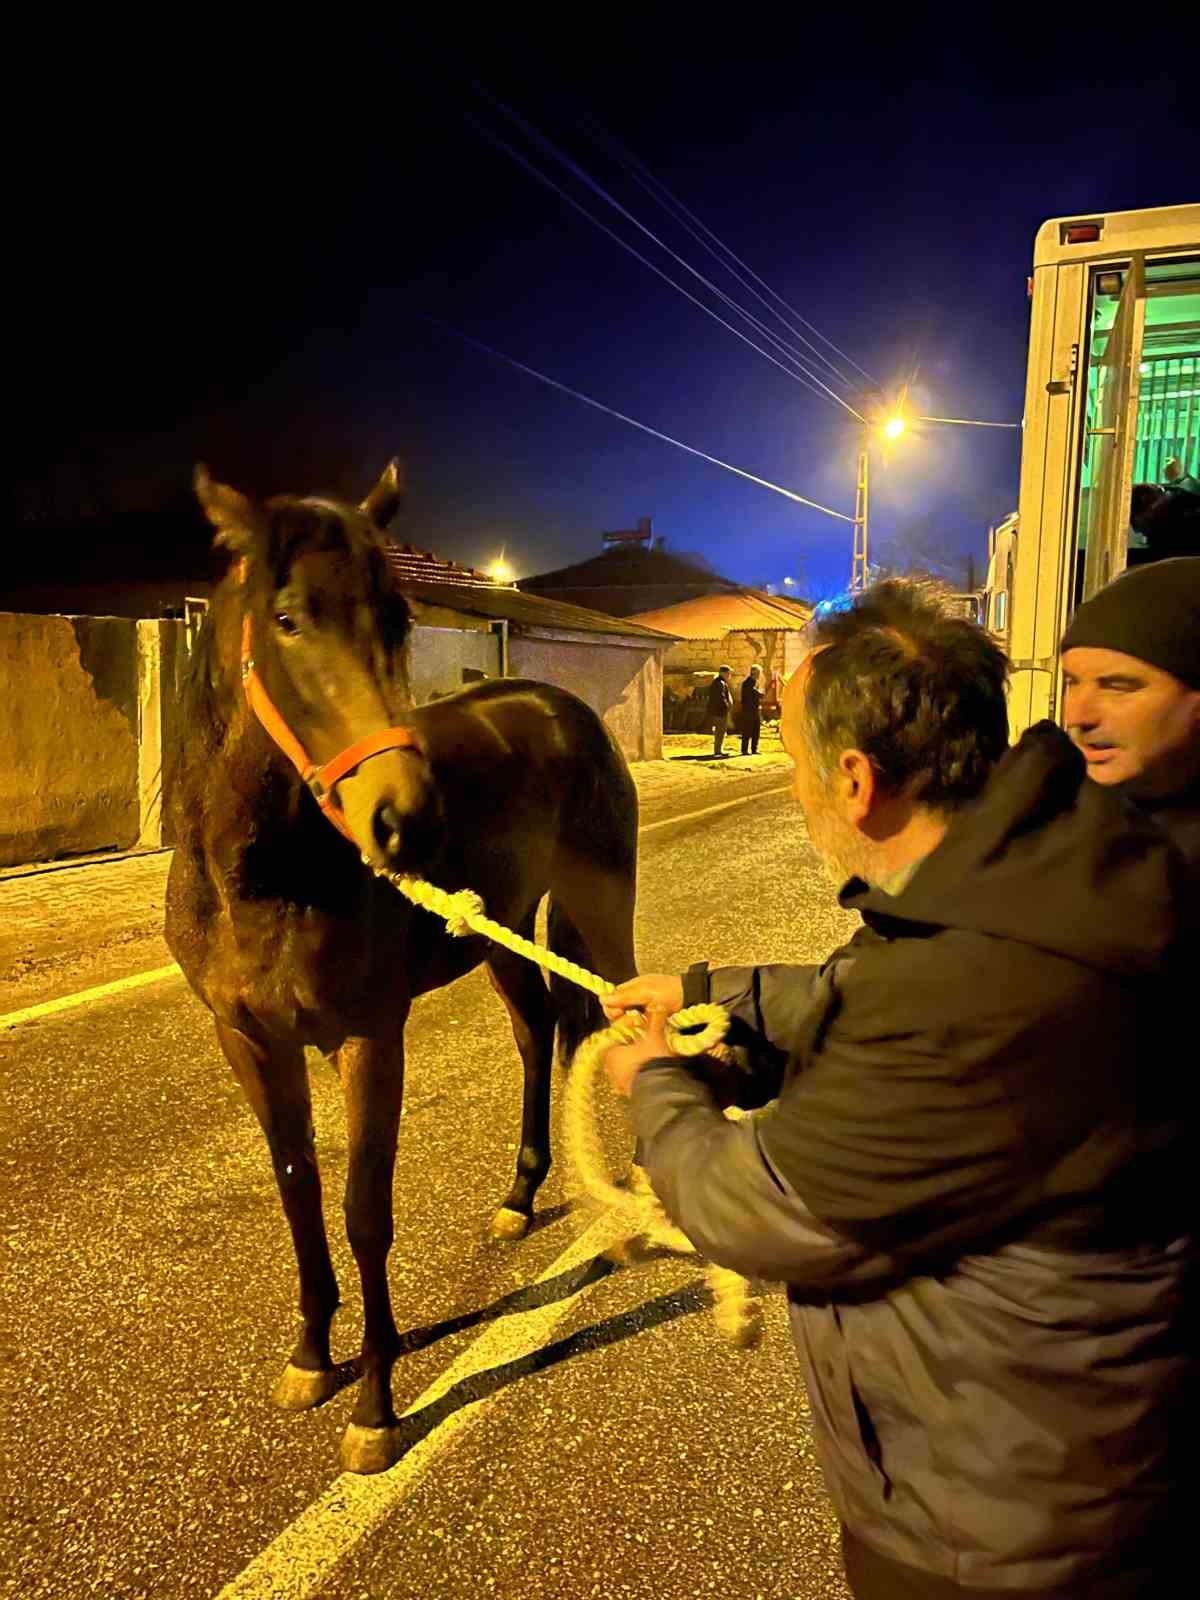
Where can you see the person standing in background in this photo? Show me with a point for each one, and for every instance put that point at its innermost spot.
(720, 704)
(752, 697)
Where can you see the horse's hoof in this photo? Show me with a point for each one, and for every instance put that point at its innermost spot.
(371, 1449)
(509, 1224)
(299, 1389)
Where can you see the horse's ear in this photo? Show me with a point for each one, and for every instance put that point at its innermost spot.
(238, 521)
(383, 502)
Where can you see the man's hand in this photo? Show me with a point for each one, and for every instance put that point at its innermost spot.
(650, 993)
(623, 1062)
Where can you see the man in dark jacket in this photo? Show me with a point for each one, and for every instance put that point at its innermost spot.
(974, 1170)
(1131, 674)
(751, 723)
(720, 704)
(1168, 517)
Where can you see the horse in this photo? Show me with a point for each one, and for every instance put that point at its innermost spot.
(296, 713)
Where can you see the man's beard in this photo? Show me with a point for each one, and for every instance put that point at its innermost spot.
(843, 853)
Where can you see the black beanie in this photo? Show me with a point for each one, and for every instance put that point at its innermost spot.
(1150, 612)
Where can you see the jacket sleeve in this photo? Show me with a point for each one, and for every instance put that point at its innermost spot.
(776, 1011)
(767, 1010)
(769, 1000)
(719, 1187)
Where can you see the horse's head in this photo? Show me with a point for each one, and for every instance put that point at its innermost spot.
(324, 629)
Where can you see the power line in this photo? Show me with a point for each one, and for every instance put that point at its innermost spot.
(599, 405)
(584, 177)
(970, 422)
(542, 177)
(673, 205)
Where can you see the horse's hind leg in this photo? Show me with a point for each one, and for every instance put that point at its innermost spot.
(521, 986)
(373, 1082)
(276, 1085)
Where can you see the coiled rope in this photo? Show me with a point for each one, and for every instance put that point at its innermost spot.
(695, 1030)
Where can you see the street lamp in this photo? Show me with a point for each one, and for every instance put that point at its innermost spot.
(891, 427)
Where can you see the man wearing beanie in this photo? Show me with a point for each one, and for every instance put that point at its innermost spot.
(1131, 670)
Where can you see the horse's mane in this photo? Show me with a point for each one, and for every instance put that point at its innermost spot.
(203, 699)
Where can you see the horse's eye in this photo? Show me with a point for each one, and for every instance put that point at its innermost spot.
(287, 624)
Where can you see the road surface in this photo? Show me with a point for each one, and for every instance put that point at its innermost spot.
(576, 1430)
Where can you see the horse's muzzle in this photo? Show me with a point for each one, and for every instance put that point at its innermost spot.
(408, 841)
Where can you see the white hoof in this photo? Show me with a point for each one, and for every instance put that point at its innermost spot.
(508, 1224)
(370, 1449)
(299, 1389)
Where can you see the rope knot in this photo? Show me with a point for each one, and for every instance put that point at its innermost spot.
(461, 909)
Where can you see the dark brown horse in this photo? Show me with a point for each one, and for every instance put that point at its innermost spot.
(511, 788)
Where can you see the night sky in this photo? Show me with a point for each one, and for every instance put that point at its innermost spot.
(233, 233)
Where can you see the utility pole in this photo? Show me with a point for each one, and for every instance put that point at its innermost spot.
(860, 563)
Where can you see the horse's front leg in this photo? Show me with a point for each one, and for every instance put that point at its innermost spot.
(521, 986)
(275, 1082)
(373, 1082)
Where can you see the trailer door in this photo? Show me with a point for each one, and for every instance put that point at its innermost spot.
(1113, 380)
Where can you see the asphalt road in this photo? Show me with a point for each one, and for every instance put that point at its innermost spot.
(586, 1435)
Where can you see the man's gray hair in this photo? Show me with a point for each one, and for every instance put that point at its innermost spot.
(917, 690)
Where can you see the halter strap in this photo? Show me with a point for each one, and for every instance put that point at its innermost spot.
(320, 781)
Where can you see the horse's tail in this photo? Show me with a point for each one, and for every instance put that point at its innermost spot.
(579, 1012)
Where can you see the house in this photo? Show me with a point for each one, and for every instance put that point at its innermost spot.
(740, 628)
(634, 574)
(467, 627)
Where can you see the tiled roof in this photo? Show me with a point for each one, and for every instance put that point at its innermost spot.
(714, 615)
(411, 564)
(456, 588)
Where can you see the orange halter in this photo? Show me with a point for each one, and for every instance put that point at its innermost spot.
(320, 781)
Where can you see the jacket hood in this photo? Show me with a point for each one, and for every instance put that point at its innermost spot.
(1046, 857)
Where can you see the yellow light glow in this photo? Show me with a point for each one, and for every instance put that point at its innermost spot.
(894, 427)
(500, 571)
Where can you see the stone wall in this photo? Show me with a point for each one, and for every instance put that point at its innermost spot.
(774, 649)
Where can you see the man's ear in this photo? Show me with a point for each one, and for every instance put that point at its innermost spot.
(239, 522)
(859, 784)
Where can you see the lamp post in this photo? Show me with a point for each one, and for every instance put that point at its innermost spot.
(891, 427)
(860, 561)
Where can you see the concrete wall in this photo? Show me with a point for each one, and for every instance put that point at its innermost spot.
(621, 682)
(88, 705)
(444, 659)
(162, 661)
(68, 736)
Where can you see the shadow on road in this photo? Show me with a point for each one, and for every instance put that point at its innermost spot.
(481, 1385)
(527, 1298)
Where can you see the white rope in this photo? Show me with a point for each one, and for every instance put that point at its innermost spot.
(695, 1030)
